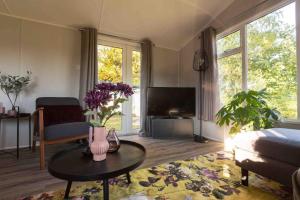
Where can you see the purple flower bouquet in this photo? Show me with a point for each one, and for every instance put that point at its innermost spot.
(105, 100)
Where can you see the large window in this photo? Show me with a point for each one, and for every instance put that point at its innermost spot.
(230, 66)
(120, 62)
(262, 54)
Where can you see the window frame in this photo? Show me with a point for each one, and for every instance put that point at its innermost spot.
(127, 49)
(243, 49)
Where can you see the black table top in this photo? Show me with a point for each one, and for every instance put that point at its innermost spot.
(72, 165)
(6, 116)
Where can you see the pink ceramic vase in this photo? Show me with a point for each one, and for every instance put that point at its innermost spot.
(100, 144)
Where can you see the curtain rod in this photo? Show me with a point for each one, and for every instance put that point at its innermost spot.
(121, 38)
(115, 36)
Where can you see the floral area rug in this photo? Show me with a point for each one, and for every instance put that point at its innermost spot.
(211, 176)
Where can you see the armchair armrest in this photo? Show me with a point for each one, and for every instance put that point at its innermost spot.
(38, 118)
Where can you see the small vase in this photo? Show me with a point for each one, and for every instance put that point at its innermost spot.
(99, 145)
(113, 140)
(12, 112)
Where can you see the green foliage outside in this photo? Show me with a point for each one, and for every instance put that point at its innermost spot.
(110, 70)
(231, 41)
(230, 76)
(136, 69)
(271, 42)
(109, 64)
(248, 110)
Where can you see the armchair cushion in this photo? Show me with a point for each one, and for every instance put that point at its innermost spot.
(60, 131)
(56, 101)
(58, 114)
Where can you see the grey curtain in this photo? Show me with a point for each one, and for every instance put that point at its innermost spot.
(209, 77)
(89, 64)
(146, 50)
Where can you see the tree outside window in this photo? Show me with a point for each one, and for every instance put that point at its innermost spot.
(271, 53)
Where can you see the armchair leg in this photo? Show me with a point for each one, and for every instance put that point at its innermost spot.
(33, 145)
(42, 155)
(245, 177)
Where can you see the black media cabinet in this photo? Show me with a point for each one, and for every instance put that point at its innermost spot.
(162, 127)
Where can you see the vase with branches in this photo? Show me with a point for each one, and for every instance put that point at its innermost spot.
(12, 86)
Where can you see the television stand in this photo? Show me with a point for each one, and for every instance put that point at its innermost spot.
(171, 127)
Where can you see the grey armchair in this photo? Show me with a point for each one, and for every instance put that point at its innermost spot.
(58, 120)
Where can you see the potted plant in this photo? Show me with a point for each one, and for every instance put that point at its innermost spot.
(103, 102)
(248, 110)
(12, 87)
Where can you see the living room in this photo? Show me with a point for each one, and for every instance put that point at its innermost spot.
(136, 99)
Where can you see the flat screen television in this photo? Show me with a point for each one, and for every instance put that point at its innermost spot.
(171, 102)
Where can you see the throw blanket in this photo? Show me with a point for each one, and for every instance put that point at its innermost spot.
(296, 185)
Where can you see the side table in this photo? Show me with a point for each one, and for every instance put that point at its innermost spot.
(18, 117)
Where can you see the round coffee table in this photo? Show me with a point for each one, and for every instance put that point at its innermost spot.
(72, 165)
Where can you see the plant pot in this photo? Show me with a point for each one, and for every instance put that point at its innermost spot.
(2, 110)
(12, 113)
(99, 146)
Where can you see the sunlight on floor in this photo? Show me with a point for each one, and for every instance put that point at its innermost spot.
(226, 171)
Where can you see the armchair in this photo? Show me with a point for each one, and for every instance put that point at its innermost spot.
(57, 120)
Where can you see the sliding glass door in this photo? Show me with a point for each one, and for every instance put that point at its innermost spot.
(119, 62)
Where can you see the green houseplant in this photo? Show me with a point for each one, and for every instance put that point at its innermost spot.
(248, 110)
(12, 87)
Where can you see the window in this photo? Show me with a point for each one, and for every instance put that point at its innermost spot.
(230, 76)
(262, 54)
(136, 82)
(230, 66)
(229, 43)
(110, 70)
(120, 62)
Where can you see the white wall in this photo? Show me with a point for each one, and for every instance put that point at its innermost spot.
(165, 67)
(53, 56)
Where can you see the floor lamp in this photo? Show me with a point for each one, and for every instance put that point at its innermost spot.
(200, 66)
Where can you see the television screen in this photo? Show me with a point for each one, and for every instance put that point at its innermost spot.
(163, 101)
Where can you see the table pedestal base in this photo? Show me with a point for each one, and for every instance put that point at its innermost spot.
(105, 188)
(68, 190)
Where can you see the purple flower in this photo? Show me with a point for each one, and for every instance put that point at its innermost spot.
(96, 98)
(124, 89)
(106, 86)
(120, 88)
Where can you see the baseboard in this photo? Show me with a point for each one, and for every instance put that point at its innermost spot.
(15, 147)
(213, 139)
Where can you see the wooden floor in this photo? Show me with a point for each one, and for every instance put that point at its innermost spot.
(19, 178)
